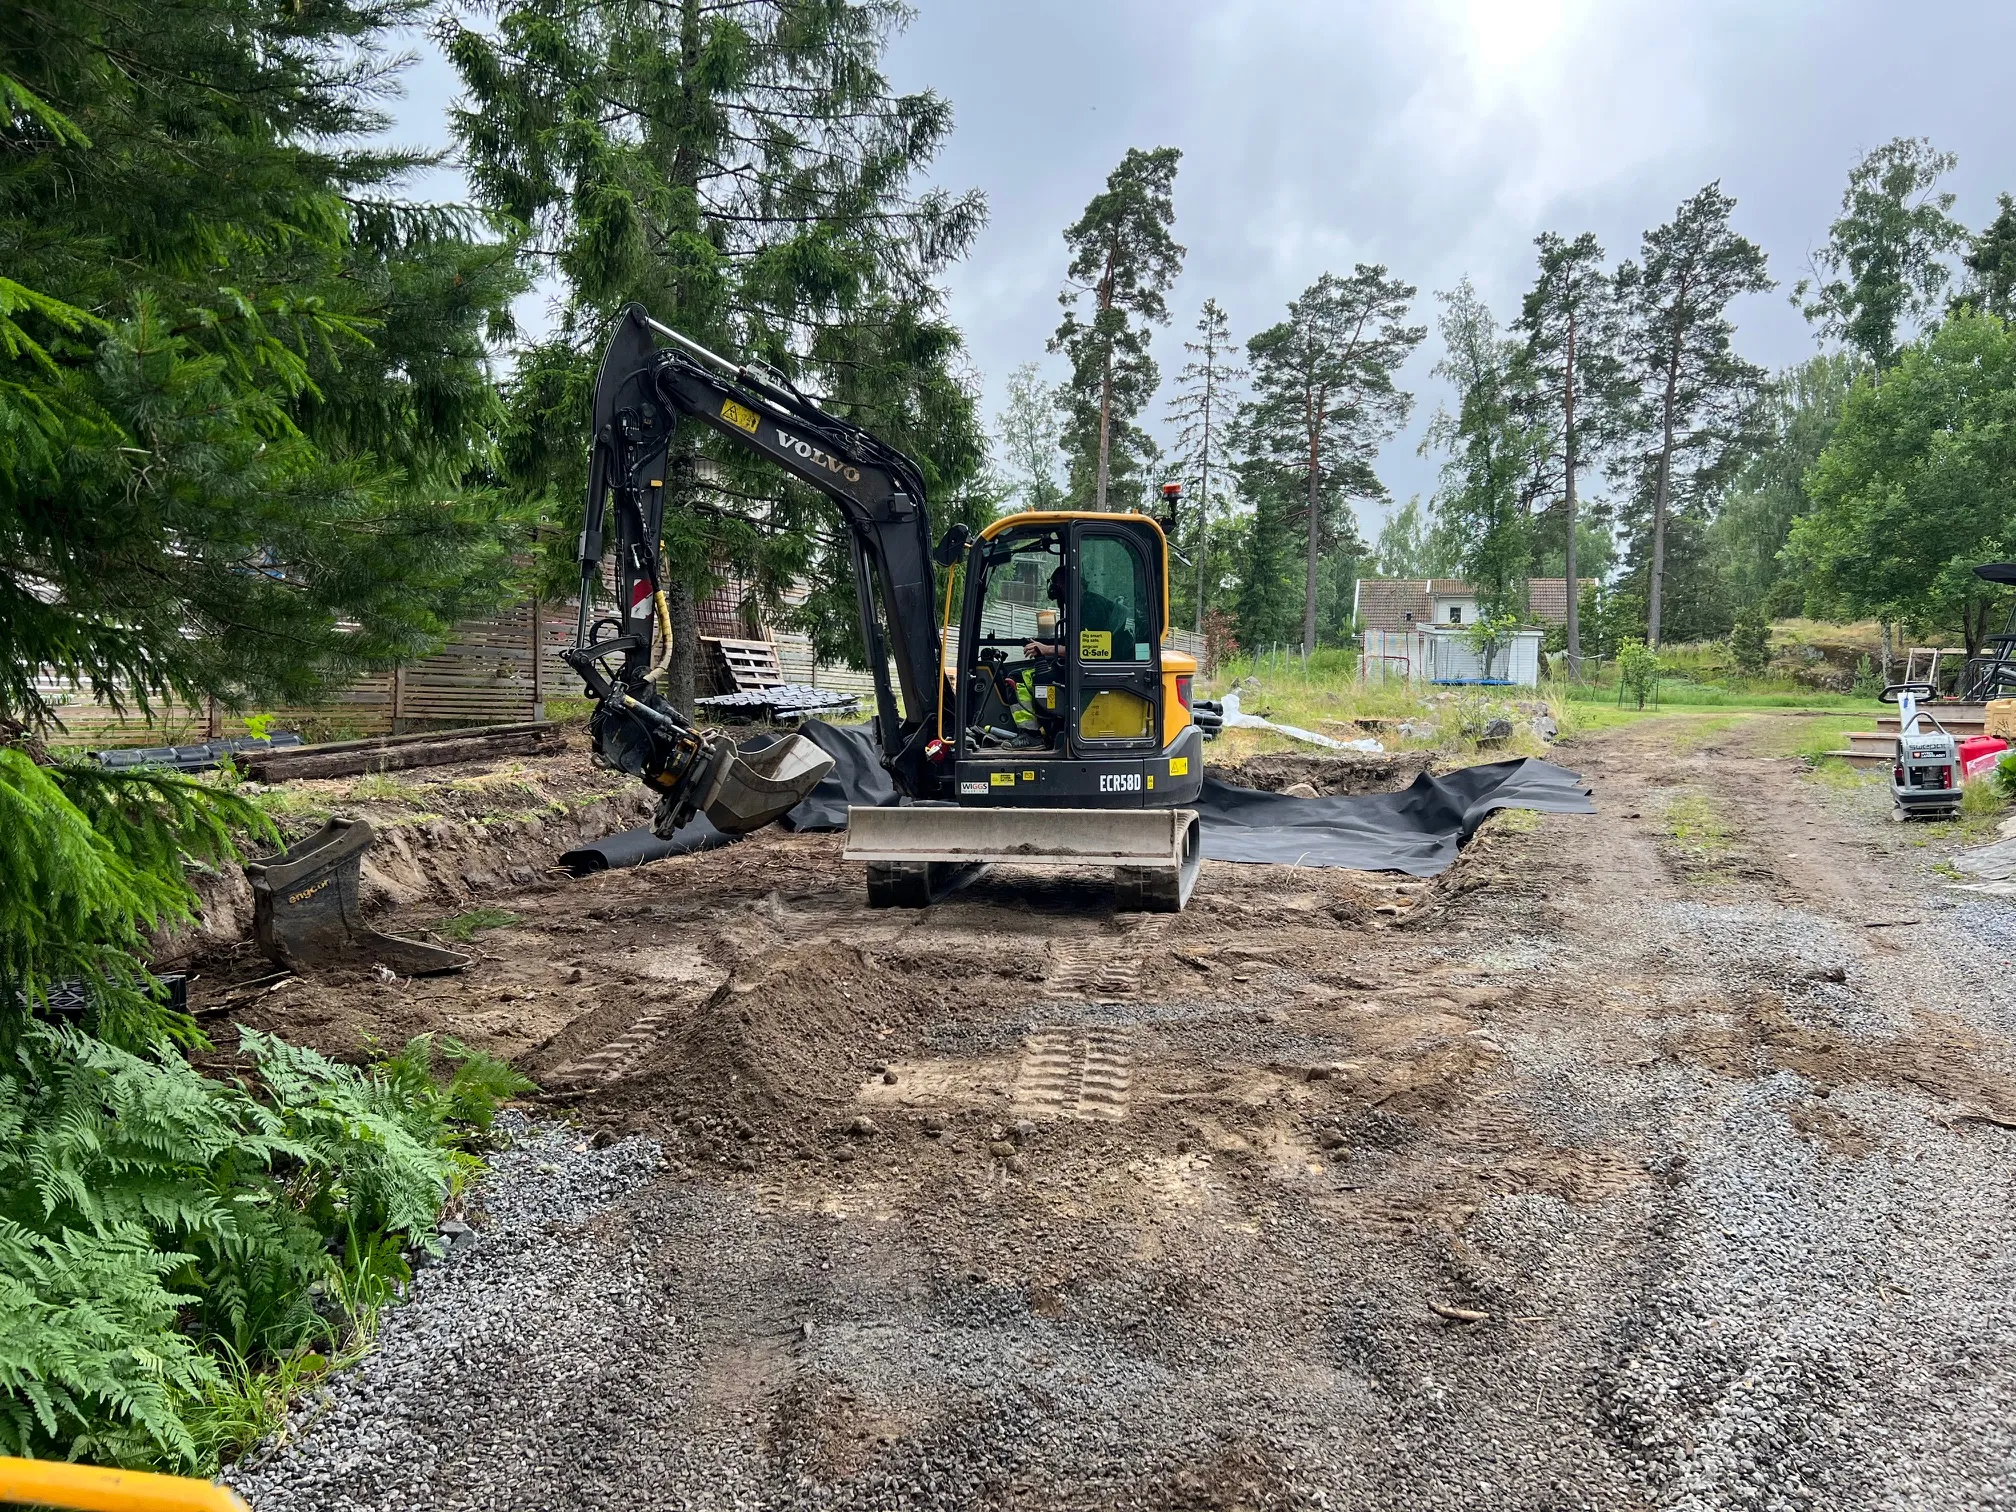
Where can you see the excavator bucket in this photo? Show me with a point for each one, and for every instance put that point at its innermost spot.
(916, 855)
(305, 909)
(745, 790)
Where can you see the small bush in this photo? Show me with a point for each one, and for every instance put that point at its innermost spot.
(1637, 671)
(1868, 680)
(1750, 643)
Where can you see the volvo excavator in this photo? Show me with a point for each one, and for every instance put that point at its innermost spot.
(1048, 724)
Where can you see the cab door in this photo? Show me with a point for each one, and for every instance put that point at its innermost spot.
(1114, 640)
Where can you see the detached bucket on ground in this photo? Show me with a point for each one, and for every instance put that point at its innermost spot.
(305, 910)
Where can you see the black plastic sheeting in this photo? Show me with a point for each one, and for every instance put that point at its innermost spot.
(1417, 831)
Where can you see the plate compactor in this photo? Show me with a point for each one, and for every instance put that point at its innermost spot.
(1929, 776)
(1046, 723)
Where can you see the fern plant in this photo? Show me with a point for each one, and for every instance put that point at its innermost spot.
(155, 1222)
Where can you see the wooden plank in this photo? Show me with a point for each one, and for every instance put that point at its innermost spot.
(399, 758)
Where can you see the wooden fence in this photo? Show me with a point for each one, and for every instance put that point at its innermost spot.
(491, 671)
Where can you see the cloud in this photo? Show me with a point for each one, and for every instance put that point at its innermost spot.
(1435, 136)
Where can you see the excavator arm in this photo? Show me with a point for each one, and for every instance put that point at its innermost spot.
(642, 393)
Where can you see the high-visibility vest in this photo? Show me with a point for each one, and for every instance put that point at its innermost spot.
(1023, 710)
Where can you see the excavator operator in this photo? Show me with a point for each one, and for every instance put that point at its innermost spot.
(1100, 614)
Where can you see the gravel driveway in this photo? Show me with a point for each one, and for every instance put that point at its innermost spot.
(1660, 1159)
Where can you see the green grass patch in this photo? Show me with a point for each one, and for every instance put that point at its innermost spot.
(1696, 835)
(466, 926)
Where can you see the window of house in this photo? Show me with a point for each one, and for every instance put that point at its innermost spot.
(1455, 614)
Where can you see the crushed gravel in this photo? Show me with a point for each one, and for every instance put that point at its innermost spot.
(1703, 1155)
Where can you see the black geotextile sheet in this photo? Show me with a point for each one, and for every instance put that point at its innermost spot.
(1417, 830)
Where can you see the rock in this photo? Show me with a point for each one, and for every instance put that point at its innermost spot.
(603, 1138)
(1017, 1166)
(934, 1126)
(745, 1164)
(1320, 1073)
(888, 1078)
(1330, 1139)
(1496, 731)
(1829, 974)
(1024, 1131)
(844, 1154)
(574, 976)
(1000, 1149)
(863, 1126)
(1545, 727)
(1301, 790)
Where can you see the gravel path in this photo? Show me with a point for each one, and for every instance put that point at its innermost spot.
(1634, 1174)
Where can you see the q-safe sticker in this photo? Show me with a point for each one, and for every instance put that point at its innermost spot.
(1095, 645)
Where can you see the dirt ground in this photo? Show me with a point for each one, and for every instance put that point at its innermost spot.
(1659, 1158)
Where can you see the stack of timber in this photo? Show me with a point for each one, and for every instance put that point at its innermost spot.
(395, 753)
(1878, 747)
(743, 666)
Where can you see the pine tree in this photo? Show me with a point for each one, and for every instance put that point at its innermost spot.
(1267, 598)
(1569, 320)
(1885, 258)
(1490, 445)
(244, 411)
(1991, 263)
(743, 169)
(1124, 258)
(1201, 412)
(1324, 399)
(1696, 404)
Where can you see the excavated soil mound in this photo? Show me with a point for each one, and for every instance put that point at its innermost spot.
(1345, 775)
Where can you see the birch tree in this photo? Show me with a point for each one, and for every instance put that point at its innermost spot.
(1886, 258)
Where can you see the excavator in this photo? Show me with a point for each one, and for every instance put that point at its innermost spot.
(1049, 724)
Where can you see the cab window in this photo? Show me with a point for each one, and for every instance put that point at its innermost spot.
(1018, 588)
(1115, 618)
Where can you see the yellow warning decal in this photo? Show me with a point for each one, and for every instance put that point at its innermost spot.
(740, 416)
(1001, 779)
(1151, 779)
(1028, 776)
(1095, 645)
(1179, 766)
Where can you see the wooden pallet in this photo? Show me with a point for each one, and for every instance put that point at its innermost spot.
(744, 666)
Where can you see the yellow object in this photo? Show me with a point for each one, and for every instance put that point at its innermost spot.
(1179, 766)
(2001, 720)
(1095, 645)
(88, 1488)
(740, 416)
(1116, 715)
(1175, 717)
(1001, 779)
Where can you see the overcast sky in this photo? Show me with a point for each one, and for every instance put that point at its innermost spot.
(1438, 137)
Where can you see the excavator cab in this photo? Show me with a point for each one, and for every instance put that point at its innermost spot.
(1065, 692)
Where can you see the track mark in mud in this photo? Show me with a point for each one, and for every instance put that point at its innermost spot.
(617, 1057)
(1103, 967)
(1076, 1073)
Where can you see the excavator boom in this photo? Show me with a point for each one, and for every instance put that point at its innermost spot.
(1122, 728)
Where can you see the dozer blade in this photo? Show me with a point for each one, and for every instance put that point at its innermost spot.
(305, 910)
(745, 790)
(916, 856)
